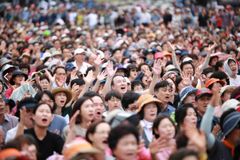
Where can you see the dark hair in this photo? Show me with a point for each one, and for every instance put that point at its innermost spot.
(157, 121)
(141, 112)
(183, 153)
(220, 75)
(208, 70)
(77, 106)
(57, 67)
(181, 113)
(236, 93)
(142, 64)
(20, 141)
(128, 98)
(161, 84)
(119, 132)
(218, 65)
(40, 94)
(42, 77)
(129, 68)
(111, 94)
(78, 81)
(224, 115)
(136, 83)
(92, 129)
(29, 101)
(231, 60)
(185, 63)
(39, 104)
(22, 66)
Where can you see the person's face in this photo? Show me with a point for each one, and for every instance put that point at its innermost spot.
(60, 99)
(164, 94)
(150, 112)
(114, 103)
(233, 67)
(214, 61)
(61, 75)
(120, 84)
(147, 79)
(67, 53)
(145, 69)
(28, 118)
(166, 129)
(57, 44)
(25, 60)
(190, 119)
(43, 116)
(138, 88)
(118, 56)
(188, 69)
(99, 138)
(47, 100)
(2, 106)
(190, 99)
(202, 103)
(19, 79)
(99, 107)
(87, 111)
(132, 107)
(133, 73)
(45, 84)
(226, 96)
(126, 148)
(1, 87)
(30, 151)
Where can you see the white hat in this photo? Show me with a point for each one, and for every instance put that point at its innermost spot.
(79, 51)
(225, 88)
(231, 103)
(187, 59)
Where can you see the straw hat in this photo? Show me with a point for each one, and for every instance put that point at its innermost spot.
(146, 99)
(66, 91)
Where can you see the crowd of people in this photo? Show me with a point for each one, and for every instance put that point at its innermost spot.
(105, 82)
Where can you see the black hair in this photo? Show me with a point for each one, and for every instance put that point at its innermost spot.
(183, 153)
(161, 84)
(207, 70)
(57, 67)
(220, 75)
(156, 123)
(131, 67)
(218, 65)
(92, 129)
(231, 60)
(119, 132)
(40, 94)
(136, 83)
(39, 104)
(77, 106)
(111, 94)
(23, 66)
(128, 98)
(29, 101)
(20, 141)
(78, 81)
(181, 113)
(142, 64)
(42, 77)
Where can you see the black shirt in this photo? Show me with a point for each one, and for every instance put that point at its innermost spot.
(46, 147)
(219, 152)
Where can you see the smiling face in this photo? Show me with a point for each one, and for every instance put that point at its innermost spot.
(120, 84)
(43, 116)
(60, 99)
(150, 111)
(166, 129)
(100, 136)
(87, 111)
(126, 148)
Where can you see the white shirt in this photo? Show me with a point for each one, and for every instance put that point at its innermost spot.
(147, 127)
(145, 17)
(92, 19)
(235, 82)
(83, 68)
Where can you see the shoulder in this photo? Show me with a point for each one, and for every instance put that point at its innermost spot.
(11, 118)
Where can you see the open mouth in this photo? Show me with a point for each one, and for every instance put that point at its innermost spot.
(105, 142)
(44, 120)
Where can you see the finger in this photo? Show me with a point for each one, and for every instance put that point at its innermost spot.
(74, 117)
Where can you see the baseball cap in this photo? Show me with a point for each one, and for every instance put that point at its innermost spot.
(79, 51)
(203, 92)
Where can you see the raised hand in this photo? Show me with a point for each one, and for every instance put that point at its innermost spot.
(157, 67)
(186, 79)
(172, 47)
(73, 119)
(89, 78)
(98, 61)
(110, 70)
(101, 76)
